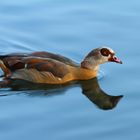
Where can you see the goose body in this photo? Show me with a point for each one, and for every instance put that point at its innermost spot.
(45, 67)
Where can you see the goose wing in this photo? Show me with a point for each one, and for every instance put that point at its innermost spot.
(40, 70)
(10, 59)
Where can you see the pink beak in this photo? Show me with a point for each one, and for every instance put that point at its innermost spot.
(116, 59)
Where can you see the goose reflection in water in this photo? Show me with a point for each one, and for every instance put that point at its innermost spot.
(94, 93)
(90, 88)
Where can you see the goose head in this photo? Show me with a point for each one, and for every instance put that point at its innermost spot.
(99, 56)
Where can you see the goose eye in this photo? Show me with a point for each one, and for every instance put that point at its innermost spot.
(105, 52)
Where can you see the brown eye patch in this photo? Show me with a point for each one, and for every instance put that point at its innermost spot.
(105, 52)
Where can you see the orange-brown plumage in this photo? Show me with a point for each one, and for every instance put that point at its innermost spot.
(45, 67)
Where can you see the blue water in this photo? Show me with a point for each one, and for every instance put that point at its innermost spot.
(72, 28)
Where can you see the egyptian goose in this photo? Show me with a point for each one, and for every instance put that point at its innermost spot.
(45, 67)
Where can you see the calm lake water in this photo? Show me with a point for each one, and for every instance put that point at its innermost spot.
(72, 28)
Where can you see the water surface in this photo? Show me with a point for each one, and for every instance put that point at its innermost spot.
(72, 28)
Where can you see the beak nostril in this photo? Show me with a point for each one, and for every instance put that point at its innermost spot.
(115, 58)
